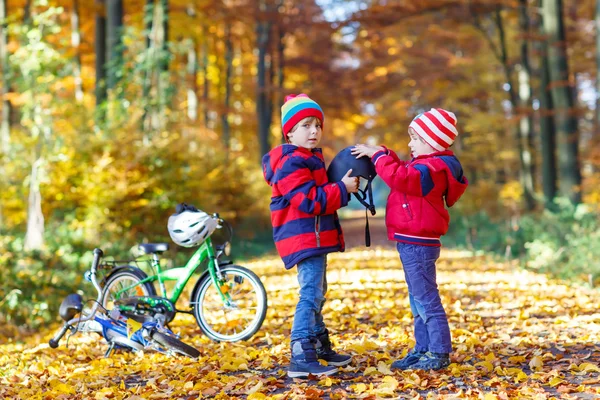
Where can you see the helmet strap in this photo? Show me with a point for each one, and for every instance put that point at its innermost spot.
(367, 230)
(368, 192)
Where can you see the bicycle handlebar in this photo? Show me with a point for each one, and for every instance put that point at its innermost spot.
(53, 343)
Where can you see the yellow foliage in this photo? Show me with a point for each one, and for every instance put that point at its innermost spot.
(361, 283)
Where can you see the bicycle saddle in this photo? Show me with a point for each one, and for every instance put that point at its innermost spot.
(151, 248)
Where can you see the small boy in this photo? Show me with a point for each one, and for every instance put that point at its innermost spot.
(306, 228)
(416, 218)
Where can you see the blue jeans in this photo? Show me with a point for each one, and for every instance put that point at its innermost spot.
(432, 332)
(308, 320)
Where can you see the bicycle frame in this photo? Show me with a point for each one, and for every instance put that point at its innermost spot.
(116, 332)
(183, 274)
(113, 329)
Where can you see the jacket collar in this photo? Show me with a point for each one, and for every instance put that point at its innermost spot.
(436, 154)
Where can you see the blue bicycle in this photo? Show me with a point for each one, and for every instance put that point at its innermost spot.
(119, 331)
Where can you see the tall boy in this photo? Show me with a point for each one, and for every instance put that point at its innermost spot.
(306, 228)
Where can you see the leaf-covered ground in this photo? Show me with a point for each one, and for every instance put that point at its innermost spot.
(517, 335)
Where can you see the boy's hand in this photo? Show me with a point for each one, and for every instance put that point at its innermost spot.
(351, 182)
(361, 150)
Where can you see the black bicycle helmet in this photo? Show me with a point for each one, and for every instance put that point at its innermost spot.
(361, 167)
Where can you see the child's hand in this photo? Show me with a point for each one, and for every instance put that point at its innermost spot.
(361, 150)
(351, 182)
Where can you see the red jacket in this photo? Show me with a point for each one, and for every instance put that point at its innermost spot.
(415, 211)
(303, 204)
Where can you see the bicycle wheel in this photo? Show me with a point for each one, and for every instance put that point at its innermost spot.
(245, 313)
(171, 343)
(124, 278)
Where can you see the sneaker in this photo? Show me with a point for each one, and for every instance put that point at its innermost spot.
(411, 358)
(304, 361)
(326, 353)
(434, 361)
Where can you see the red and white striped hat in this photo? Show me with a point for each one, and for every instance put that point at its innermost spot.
(437, 127)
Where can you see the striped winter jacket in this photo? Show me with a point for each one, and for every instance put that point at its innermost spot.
(303, 204)
(415, 211)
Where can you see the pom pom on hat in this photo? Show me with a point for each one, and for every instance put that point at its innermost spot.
(437, 127)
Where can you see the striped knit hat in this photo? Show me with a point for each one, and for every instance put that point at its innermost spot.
(296, 108)
(437, 127)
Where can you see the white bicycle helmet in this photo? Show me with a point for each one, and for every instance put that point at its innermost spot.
(189, 228)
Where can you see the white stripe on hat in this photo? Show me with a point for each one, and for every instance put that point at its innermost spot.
(444, 121)
(425, 136)
(426, 118)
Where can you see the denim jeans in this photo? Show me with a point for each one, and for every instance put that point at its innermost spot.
(308, 320)
(432, 332)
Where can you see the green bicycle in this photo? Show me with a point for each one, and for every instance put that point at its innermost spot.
(228, 301)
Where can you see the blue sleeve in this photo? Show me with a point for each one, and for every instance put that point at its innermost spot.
(426, 180)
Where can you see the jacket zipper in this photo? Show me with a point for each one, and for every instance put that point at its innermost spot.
(317, 230)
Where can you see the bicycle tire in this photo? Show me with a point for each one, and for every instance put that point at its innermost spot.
(134, 275)
(255, 297)
(176, 345)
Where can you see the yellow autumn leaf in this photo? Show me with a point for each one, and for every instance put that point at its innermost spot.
(555, 381)
(536, 363)
(255, 388)
(589, 367)
(490, 396)
(63, 388)
(486, 364)
(266, 363)
(370, 371)
(359, 388)
(390, 381)
(357, 348)
(384, 368)
(522, 377)
(326, 382)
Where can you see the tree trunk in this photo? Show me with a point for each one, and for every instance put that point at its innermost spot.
(263, 31)
(205, 81)
(547, 127)
(562, 97)
(147, 80)
(5, 87)
(548, 135)
(165, 39)
(192, 90)
(75, 42)
(100, 45)
(228, 68)
(281, 66)
(192, 70)
(34, 237)
(162, 90)
(114, 51)
(27, 12)
(597, 119)
(526, 111)
(525, 172)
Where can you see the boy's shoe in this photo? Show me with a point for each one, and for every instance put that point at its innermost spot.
(409, 360)
(326, 353)
(433, 361)
(304, 361)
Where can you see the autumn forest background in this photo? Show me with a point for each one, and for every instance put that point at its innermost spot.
(115, 111)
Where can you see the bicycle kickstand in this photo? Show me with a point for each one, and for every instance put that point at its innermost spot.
(110, 349)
